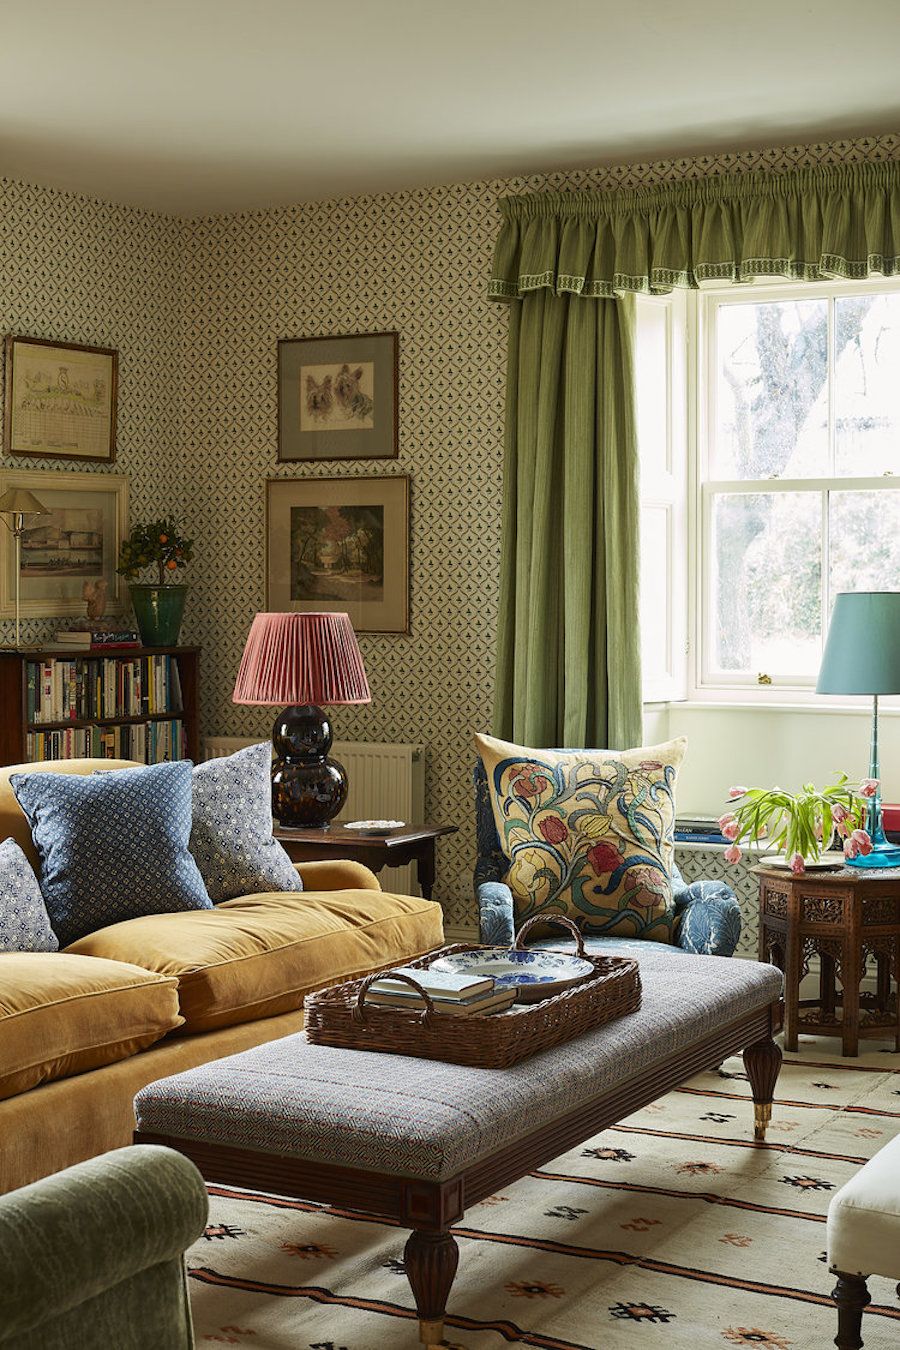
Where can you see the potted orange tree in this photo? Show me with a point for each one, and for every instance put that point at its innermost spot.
(158, 605)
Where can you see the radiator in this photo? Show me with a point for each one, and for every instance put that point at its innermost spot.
(387, 782)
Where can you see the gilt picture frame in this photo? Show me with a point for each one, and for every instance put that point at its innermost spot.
(337, 397)
(71, 549)
(60, 400)
(340, 544)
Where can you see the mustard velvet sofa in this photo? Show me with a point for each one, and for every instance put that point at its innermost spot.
(82, 1030)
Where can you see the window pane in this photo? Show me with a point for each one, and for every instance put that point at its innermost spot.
(866, 386)
(771, 390)
(865, 541)
(766, 583)
(654, 594)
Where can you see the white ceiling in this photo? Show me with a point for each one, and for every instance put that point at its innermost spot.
(204, 106)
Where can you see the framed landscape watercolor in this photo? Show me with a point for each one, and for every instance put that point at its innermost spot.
(74, 545)
(337, 397)
(340, 544)
(60, 399)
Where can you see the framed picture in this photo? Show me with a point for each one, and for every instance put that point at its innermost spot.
(337, 397)
(340, 544)
(70, 549)
(60, 400)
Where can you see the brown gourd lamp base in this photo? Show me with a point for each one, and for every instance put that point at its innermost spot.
(308, 788)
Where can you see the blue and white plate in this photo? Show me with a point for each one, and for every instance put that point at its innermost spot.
(534, 973)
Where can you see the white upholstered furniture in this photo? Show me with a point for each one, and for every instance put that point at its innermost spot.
(864, 1238)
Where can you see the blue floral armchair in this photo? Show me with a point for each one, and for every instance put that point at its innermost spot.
(708, 919)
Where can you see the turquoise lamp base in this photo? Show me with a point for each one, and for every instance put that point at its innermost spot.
(887, 855)
(884, 853)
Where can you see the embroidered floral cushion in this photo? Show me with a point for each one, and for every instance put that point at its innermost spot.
(24, 923)
(588, 833)
(231, 836)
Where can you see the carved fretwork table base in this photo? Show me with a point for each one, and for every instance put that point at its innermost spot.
(850, 920)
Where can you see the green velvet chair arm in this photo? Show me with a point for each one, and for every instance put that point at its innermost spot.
(83, 1251)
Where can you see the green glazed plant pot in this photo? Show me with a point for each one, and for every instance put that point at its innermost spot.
(159, 611)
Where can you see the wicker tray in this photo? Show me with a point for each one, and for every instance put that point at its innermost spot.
(340, 1016)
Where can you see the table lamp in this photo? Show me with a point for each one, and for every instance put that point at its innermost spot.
(862, 656)
(303, 660)
(16, 506)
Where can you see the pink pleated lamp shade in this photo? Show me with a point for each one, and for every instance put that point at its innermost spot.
(301, 658)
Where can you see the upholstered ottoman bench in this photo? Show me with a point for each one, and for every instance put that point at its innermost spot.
(419, 1141)
(864, 1238)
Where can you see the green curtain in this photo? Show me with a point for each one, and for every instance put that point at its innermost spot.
(568, 655)
(568, 665)
(804, 224)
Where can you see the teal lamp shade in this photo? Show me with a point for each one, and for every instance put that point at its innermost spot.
(862, 656)
(862, 652)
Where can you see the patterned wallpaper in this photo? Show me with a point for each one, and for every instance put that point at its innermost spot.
(196, 309)
(79, 270)
(416, 262)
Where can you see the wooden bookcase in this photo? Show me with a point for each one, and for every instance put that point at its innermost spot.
(14, 724)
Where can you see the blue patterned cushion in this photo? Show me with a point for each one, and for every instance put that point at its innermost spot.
(231, 839)
(24, 925)
(112, 846)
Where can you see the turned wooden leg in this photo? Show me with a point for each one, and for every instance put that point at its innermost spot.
(431, 1260)
(762, 1060)
(851, 1295)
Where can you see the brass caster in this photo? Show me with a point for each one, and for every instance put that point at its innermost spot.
(431, 1333)
(762, 1115)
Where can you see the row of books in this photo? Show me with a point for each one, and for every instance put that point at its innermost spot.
(456, 995)
(62, 690)
(146, 742)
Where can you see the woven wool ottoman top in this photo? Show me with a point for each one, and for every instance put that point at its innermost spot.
(429, 1120)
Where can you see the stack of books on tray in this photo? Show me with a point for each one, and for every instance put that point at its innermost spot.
(85, 639)
(457, 995)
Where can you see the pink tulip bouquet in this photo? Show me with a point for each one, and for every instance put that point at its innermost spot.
(800, 825)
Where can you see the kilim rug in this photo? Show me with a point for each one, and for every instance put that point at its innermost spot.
(672, 1229)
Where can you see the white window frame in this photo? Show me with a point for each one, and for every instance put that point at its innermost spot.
(667, 491)
(704, 684)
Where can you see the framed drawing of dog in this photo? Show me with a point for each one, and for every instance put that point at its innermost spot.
(337, 397)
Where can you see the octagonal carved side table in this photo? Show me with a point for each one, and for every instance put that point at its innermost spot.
(850, 919)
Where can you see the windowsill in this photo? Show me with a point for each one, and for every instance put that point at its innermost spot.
(784, 705)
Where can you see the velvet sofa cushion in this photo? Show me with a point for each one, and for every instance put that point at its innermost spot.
(112, 845)
(588, 833)
(259, 955)
(62, 1014)
(24, 922)
(231, 835)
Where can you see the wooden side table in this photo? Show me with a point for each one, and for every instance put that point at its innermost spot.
(849, 918)
(409, 843)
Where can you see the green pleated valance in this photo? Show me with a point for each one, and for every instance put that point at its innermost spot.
(805, 224)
